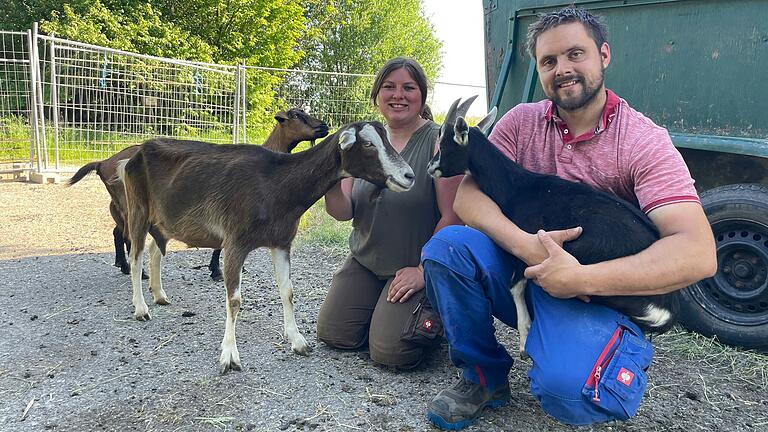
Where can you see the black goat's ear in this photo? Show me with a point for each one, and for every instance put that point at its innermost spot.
(485, 123)
(461, 132)
(281, 116)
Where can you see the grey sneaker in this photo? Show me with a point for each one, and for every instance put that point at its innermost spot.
(461, 404)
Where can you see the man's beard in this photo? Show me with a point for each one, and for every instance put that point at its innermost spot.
(580, 100)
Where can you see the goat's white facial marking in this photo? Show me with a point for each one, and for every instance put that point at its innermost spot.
(347, 138)
(399, 174)
(433, 168)
(461, 132)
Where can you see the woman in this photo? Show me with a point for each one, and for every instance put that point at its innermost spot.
(375, 293)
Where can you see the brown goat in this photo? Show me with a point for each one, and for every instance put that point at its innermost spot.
(293, 126)
(239, 198)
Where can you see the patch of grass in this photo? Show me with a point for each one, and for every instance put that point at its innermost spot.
(14, 139)
(319, 229)
(748, 365)
(77, 145)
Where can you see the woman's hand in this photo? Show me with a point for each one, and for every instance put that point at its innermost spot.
(407, 281)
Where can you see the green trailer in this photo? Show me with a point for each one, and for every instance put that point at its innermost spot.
(700, 69)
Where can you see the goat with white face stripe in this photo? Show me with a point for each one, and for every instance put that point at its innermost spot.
(238, 198)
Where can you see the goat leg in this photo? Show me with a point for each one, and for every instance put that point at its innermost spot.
(120, 261)
(127, 243)
(523, 318)
(230, 356)
(140, 308)
(282, 262)
(214, 267)
(155, 281)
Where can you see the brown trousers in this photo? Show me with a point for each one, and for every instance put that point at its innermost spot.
(356, 311)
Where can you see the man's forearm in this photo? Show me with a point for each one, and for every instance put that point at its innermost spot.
(667, 265)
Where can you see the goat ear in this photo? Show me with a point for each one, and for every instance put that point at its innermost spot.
(347, 138)
(461, 132)
(281, 116)
(485, 123)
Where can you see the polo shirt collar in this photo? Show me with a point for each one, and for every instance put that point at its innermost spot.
(610, 110)
(612, 102)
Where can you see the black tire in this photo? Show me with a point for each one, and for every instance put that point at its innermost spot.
(733, 305)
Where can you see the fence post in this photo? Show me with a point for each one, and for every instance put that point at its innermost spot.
(34, 121)
(39, 100)
(55, 104)
(244, 86)
(235, 117)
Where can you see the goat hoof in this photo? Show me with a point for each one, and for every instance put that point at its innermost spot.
(228, 367)
(228, 363)
(217, 277)
(162, 301)
(524, 355)
(301, 349)
(124, 269)
(143, 317)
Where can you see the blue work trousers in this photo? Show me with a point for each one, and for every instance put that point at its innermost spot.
(589, 361)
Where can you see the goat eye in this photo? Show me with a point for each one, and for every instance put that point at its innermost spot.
(367, 144)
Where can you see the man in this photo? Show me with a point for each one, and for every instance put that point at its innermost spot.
(588, 360)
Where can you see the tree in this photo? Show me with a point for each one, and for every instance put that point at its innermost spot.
(141, 30)
(358, 37)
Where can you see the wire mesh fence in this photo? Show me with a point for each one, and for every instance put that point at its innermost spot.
(15, 101)
(98, 100)
(66, 103)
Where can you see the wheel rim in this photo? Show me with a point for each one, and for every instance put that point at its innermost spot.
(738, 293)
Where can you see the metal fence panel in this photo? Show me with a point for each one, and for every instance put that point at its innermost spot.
(16, 151)
(98, 101)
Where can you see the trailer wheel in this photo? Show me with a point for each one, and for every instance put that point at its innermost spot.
(733, 305)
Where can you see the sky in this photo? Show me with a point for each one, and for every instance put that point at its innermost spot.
(459, 25)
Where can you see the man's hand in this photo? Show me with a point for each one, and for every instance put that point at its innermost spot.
(536, 250)
(557, 274)
(406, 282)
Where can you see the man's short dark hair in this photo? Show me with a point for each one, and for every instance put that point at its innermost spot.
(597, 30)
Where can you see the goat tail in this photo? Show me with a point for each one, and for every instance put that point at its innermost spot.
(84, 171)
(660, 314)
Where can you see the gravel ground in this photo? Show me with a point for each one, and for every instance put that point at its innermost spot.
(72, 358)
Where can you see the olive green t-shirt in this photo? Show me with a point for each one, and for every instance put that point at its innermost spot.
(389, 231)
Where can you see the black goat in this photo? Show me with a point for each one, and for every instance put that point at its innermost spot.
(612, 227)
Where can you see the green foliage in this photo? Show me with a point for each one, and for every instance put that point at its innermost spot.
(359, 36)
(354, 36)
(18, 15)
(262, 32)
(141, 29)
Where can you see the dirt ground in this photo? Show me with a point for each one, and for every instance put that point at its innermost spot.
(73, 359)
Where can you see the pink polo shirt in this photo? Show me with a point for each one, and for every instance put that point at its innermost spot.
(626, 154)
